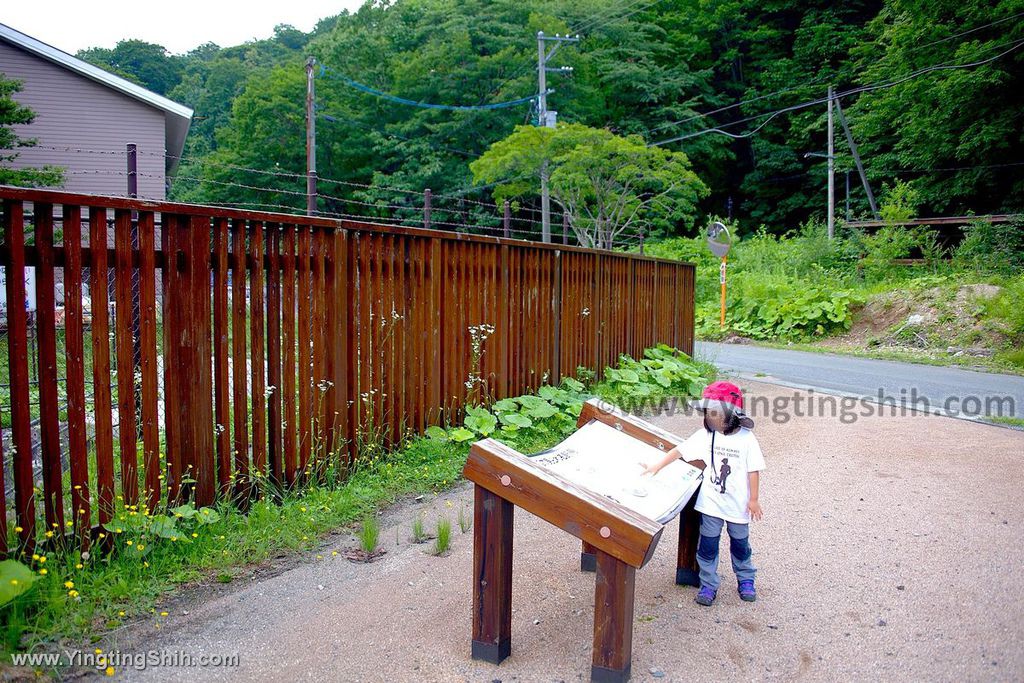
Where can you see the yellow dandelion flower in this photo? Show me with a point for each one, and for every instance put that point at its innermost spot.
(109, 671)
(145, 564)
(35, 556)
(14, 582)
(53, 524)
(174, 539)
(99, 651)
(79, 566)
(195, 535)
(334, 553)
(18, 529)
(42, 572)
(163, 614)
(42, 558)
(120, 613)
(69, 584)
(102, 535)
(68, 523)
(49, 534)
(129, 542)
(72, 594)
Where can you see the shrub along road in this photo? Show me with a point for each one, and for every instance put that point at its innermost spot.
(883, 555)
(965, 392)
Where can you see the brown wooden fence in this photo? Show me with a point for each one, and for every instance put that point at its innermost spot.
(270, 345)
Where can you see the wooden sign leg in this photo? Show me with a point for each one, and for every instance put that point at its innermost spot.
(492, 576)
(613, 620)
(687, 571)
(588, 558)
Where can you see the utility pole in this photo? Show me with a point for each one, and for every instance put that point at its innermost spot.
(831, 172)
(310, 139)
(546, 119)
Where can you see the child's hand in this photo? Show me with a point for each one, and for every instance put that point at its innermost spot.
(648, 469)
(754, 508)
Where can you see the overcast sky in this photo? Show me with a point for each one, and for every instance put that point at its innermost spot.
(179, 26)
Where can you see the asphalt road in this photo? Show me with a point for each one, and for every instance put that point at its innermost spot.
(950, 391)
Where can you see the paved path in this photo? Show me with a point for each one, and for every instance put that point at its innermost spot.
(889, 551)
(952, 391)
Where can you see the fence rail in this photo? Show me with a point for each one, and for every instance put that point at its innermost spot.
(267, 347)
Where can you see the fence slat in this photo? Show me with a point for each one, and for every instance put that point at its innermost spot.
(125, 345)
(17, 352)
(148, 359)
(46, 329)
(239, 360)
(259, 382)
(169, 280)
(288, 353)
(275, 460)
(74, 352)
(222, 407)
(104, 434)
(319, 350)
(305, 349)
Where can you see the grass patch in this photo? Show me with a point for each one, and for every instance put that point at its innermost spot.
(443, 540)
(369, 534)
(1017, 422)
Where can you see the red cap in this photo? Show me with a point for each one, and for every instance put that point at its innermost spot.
(727, 396)
(724, 391)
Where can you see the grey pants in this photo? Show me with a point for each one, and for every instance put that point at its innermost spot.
(707, 550)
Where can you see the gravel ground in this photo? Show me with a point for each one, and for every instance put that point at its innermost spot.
(888, 552)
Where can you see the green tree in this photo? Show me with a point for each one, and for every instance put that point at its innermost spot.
(607, 184)
(144, 63)
(12, 113)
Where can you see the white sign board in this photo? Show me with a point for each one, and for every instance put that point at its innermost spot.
(610, 463)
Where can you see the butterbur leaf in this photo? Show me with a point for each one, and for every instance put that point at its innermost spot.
(461, 434)
(483, 422)
(184, 511)
(573, 385)
(437, 433)
(207, 516)
(506, 405)
(15, 579)
(518, 419)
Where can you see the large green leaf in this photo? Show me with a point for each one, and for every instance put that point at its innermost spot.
(15, 579)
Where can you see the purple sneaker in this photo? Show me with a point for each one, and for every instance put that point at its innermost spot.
(746, 591)
(705, 596)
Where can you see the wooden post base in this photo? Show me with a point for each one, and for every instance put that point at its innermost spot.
(492, 577)
(495, 653)
(687, 570)
(588, 558)
(613, 619)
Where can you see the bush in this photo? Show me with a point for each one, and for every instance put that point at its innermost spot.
(992, 247)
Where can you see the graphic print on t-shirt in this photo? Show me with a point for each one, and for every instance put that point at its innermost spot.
(723, 474)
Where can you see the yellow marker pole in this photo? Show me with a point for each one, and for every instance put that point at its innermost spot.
(722, 280)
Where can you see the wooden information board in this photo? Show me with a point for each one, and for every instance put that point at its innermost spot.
(601, 501)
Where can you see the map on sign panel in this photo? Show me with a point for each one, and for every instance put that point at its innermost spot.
(610, 463)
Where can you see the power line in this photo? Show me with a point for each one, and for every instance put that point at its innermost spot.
(811, 103)
(820, 80)
(423, 105)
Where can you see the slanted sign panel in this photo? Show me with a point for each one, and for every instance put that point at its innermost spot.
(610, 463)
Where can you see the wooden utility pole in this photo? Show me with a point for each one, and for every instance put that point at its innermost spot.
(310, 139)
(831, 172)
(546, 119)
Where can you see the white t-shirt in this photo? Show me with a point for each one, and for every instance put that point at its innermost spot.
(725, 491)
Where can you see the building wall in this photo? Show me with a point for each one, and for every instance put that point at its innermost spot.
(76, 113)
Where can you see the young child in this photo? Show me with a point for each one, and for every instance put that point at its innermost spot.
(729, 492)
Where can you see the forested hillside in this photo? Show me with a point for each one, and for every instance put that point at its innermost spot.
(933, 92)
